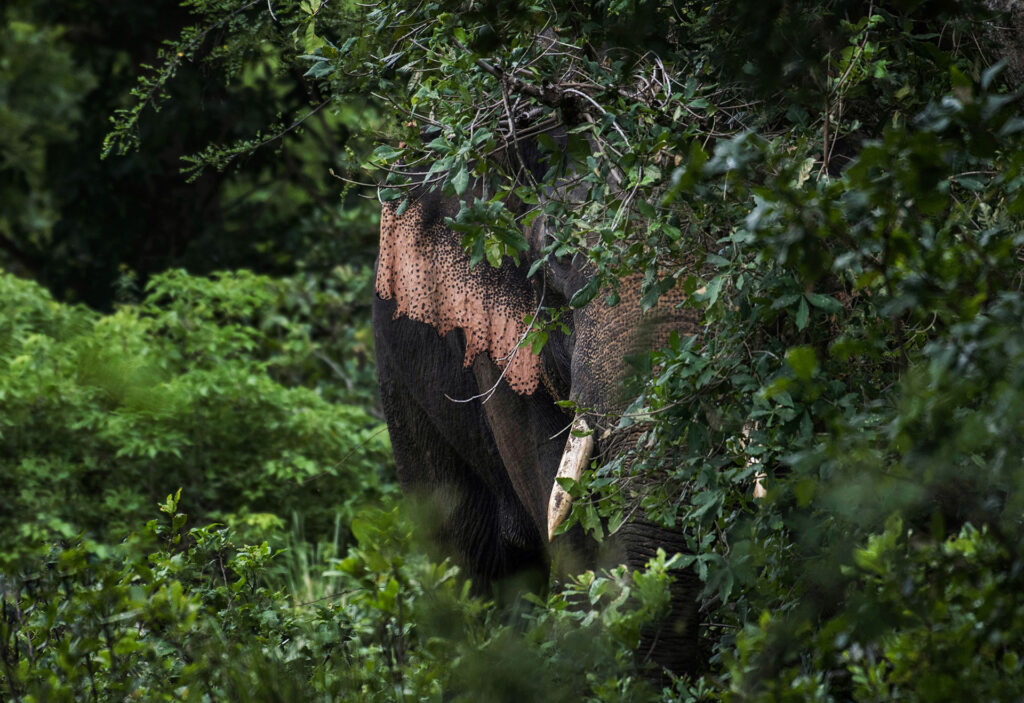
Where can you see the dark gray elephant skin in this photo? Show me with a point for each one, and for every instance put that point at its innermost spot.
(446, 338)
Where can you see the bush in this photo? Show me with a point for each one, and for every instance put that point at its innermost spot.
(866, 357)
(173, 613)
(211, 384)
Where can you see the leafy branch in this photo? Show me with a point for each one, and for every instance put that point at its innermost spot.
(151, 90)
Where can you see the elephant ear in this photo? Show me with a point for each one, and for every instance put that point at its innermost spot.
(425, 270)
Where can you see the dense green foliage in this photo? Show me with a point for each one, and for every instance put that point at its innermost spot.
(199, 386)
(173, 613)
(838, 187)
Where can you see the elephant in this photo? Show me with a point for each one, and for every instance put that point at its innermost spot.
(473, 415)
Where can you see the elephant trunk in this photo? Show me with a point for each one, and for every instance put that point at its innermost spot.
(604, 338)
(673, 641)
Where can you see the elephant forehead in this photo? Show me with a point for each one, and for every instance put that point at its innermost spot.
(606, 336)
(425, 270)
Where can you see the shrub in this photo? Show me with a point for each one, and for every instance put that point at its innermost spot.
(207, 383)
(173, 613)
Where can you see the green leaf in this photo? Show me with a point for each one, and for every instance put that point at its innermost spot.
(992, 72)
(540, 338)
(387, 153)
(547, 143)
(824, 302)
(460, 181)
(320, 69)
(493, 252)
(312, 42)
(585, 294)
(535, 266)
(803, 313)
(803, 361)
(714, 289)
(655, 291)
(784, 301)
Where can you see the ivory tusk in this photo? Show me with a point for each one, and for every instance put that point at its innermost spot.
(575, 457)
(759, 490)
(760, 476)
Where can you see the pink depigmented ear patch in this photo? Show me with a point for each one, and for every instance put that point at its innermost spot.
(424, 269)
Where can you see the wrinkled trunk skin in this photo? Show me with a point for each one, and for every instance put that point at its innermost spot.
(673, 642)
(1009, 37)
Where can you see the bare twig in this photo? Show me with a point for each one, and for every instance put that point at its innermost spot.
(294, 125)
(603, 112)
(343, 459)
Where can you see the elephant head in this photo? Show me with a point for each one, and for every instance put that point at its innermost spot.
(472, 413)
